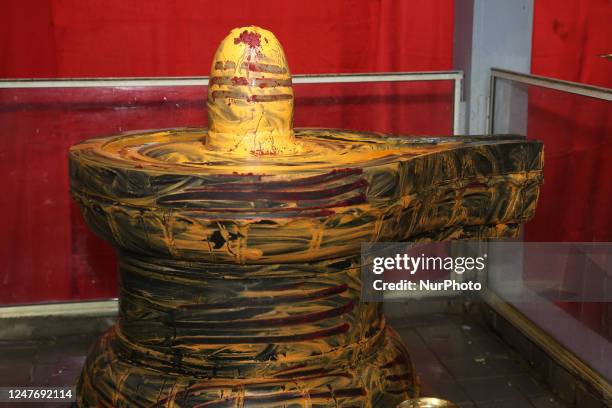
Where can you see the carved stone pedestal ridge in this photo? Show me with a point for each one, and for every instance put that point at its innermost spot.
(239, 244)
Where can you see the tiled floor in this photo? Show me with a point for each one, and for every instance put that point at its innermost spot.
(456, 360)
(460, 360)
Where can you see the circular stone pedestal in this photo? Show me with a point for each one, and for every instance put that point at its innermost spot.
(199, 334)
(239, 245)
(240, 278)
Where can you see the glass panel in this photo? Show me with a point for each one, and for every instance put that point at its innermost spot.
(416, 108)
(510, 108)
(574, 206)
(47, 252)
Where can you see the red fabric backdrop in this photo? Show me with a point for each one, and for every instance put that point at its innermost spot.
(576, 198)
(46, 251)
(92, 38)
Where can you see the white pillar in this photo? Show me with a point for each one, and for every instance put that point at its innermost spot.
(491, 33)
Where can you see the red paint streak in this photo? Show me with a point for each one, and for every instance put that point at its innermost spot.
(325, 293)
(308, 373)
(399, 377)
(310, 212)
(208, 385)
(270, 322)
(261, 152)
(475, 184)
(319, 334)
(326, 178)
(268, 68)
(262, 193)
(398, 360)
(240, 81)
(292, 368)
(249, 38)
(245, 174)
(268, 98)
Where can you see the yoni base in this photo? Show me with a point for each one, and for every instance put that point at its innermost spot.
(377, 379)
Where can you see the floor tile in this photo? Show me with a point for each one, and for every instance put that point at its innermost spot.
(16, 374)
(529, 386)
(411, 339)
(462, 346)
(448, 390)
(490, 389)
(467, 368)
(432, 372)
(62, 372)
(506, 365)
(441, 331)
(547, 401)
(511, 403)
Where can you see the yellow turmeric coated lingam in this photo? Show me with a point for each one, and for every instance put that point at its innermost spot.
(250, 99)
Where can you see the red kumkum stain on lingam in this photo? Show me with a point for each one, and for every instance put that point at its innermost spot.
(240, 81)
(249, 38)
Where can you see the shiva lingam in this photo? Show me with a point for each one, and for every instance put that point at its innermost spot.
(239, 245)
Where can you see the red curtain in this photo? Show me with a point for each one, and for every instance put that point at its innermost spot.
(101, 38)
(46, 251)
(576, 198)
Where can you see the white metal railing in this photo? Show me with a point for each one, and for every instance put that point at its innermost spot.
(575, 88)
(455, 76)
